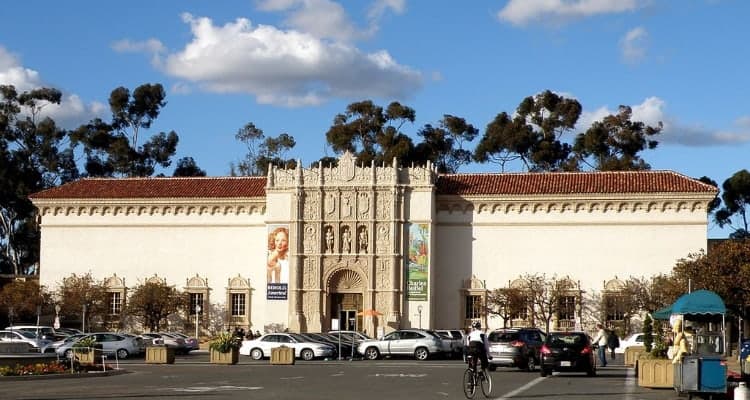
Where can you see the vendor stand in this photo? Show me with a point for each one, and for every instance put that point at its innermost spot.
(698, 321)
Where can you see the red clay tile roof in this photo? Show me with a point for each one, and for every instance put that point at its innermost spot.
(456, 184)
(199, 187)
(570, 183)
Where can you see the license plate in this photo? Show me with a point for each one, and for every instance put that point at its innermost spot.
(565, 363)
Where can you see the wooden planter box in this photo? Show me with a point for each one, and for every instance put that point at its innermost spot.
(282, 356)
(655, 373)
(230, 357)
(159, 355)
(88, 356)
(632, 353)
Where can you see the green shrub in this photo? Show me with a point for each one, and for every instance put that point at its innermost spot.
(648, 333)
(224, 343)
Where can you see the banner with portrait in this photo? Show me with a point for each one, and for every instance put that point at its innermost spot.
(417, 262)
(277, 263)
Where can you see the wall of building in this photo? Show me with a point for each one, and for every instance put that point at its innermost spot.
(588, 240)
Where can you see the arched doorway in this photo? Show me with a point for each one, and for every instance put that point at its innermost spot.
(345, 300)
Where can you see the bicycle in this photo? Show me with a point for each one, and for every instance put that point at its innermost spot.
(472, 376)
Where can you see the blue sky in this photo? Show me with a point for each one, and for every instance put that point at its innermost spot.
(292, 65)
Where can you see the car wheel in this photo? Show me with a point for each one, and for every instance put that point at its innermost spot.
(531, 364)
(544, 371)
(493, 367)
(371, 353)
(421, 354)
(307, 354)
(122, 354)
(591, 371)
(256, 354)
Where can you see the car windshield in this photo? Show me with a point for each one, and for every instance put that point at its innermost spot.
(27, 335)
(503, 336)
(299, 337)
(433, 334)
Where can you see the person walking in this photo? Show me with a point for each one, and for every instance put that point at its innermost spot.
(613, 342)
(601, 341)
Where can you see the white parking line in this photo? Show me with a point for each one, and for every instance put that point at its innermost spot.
(521, 389)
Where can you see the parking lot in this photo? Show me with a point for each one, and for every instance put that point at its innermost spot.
(194, 377)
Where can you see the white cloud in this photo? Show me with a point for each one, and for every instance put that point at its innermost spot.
(652, 111)
(285, 67)
(71, 111)
(153, 47)
(522, 12)
(633, 45)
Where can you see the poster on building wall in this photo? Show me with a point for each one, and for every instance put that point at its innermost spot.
(277, 265)
(417, 268)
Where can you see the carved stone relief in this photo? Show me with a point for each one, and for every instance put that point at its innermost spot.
(346, 240)
(329, 239)
(311, 274)
(310, 239)
(362, 240)
(330, 205)
(347, 205)
(363, 205)
(382, 302)
(383, 206)
(312, 205)
(383, 279)
(383, 239)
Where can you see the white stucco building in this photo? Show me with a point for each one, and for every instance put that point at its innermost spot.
(374, 247)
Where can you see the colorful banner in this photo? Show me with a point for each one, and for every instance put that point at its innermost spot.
(417, 268)
(277, 266)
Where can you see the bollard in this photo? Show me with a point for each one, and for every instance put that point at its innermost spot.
(741, 392)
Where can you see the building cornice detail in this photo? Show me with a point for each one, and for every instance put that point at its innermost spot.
(148, 207)
(688, 202)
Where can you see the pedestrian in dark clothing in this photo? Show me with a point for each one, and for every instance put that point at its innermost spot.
(613, 342)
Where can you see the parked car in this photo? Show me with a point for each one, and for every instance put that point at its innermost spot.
(117, 344)
(567, 352)
(21, 336)
(515, 348)
(303, 347)
(190, 342)
(43, 332)
(635, 339)
(176, 343)
(454, 340)
(417, 342)
(347, 347)
(351, 335)
(71, 338)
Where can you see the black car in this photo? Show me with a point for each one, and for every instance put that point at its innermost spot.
(515, 348)
(567, 352)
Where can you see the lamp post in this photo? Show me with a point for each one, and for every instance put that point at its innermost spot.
(197, 313)
(83, 320)
(419, 310)
(38, 311)
(56, 325)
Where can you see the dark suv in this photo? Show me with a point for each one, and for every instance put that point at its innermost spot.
(515, 348)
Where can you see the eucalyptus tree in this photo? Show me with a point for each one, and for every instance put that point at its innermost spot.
(112, 148)
(614, 143)
(372, 133)
(736, 199)
(532, 135)
(262, 151)
(35, 154)
(443, 145)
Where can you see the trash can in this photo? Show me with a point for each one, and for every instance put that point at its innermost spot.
(744, 353)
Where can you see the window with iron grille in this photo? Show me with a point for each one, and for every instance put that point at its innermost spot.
(238, 304)
(566, 308)
(115, 302)
(615, 307)
(196, 299)
(473, 307)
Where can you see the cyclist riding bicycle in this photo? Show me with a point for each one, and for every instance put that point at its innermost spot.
(478, 344)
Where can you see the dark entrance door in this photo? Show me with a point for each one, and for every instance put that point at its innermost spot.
(346, 307)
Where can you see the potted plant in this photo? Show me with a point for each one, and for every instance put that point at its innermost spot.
(87, 350)
(655, 370)
(224, 349)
